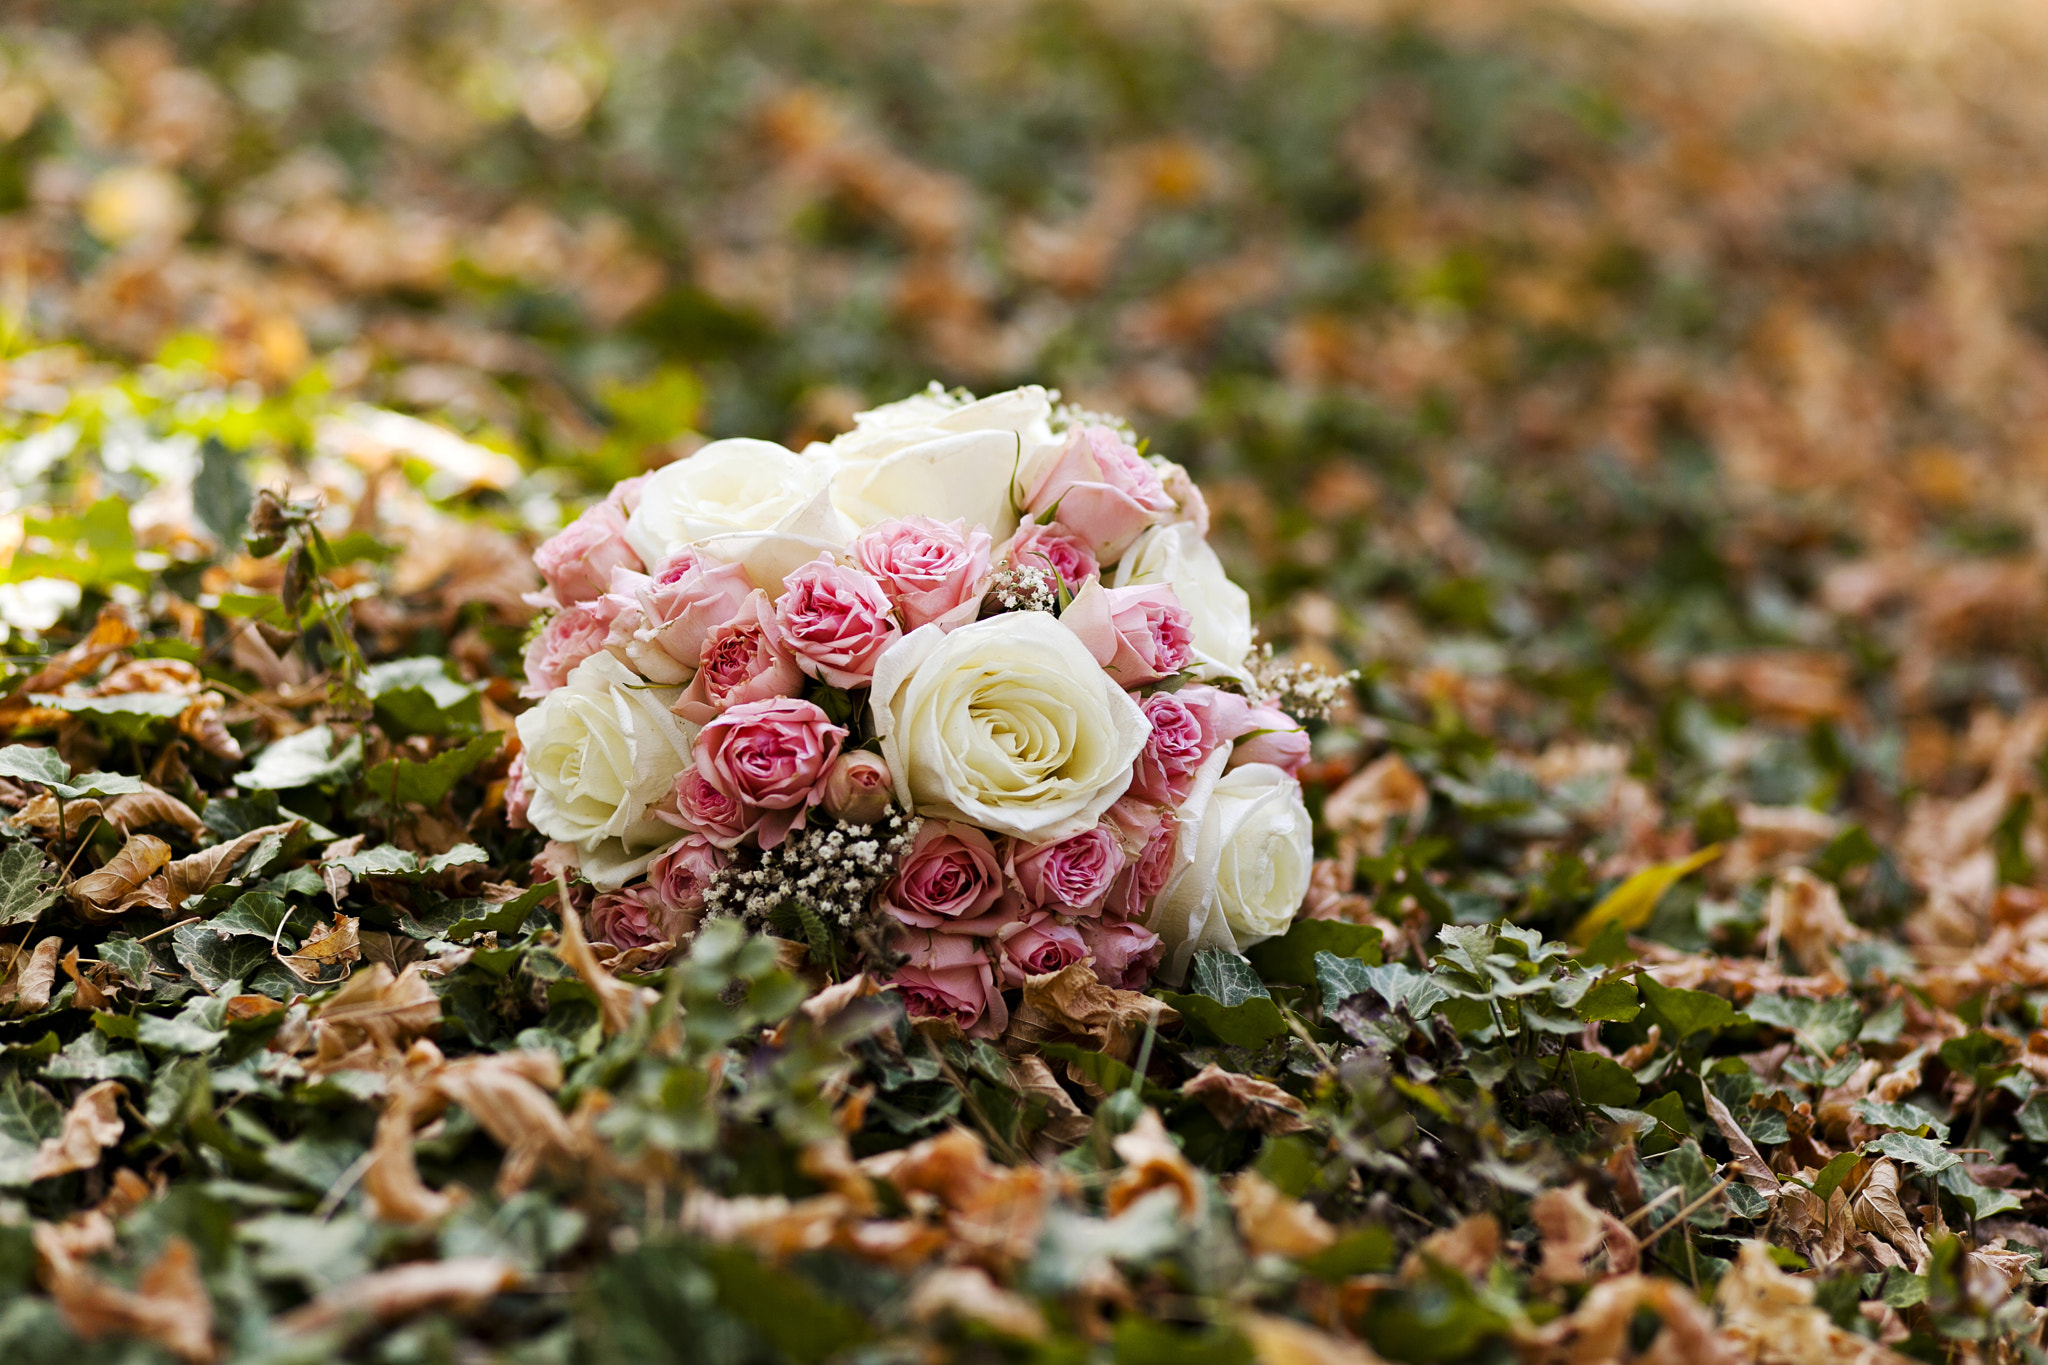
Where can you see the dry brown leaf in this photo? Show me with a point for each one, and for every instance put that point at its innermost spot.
(1071, 1005)
(1572, 1230)
(168, 676)
(507, 1094)
(994, 1210)
(1805, 914)
(41, 814)
(967, 1294)
(372, 1018)
(1152, 1161)
(1271, 1223)
(1066, 1123)
(1791, 684)
(1469, 1248)
(91, 1125)
(112, 631)
(773, 1225)
(98, 893)
(1361, 811)
(245, 1007)
(152, 806)
(89, 996)
(458, 1284)
(392, 1183)
(1598, 1332)
(1283, 1341)
(168, 1307)
(1876, 1209)
(1772, 1316)
(202, 722)
(616, 1000)
(329, 946)
(1236, 1099)
(209, 867)
(31, 977)
(1748, 1161)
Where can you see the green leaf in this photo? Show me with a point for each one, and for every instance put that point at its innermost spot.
(457, 920)
(416, 696)
(1610, 1001)
(1633, 902)
(89, 1057)
(28, 884)
(34, 763)
(1226, 978)
(1977, 1055)
(1830, 1177)
(215, 958)
(2033, 1118)
(1292, 957)
(221, 496)
(130, 716)
(1820, 1026)
(306, 759)
(1366, 1251)
(1928, 1155)
(27, 1115)
(1340, 978)
(1682, 1012)
(389, 860)
(1984, 1201)
(795, 1318)
(200, 1027)
(1602, 1080)
(1248, 1024)
(401, 781)
(1907, 1118)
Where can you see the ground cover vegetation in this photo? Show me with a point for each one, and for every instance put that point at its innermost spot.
(1651, 417)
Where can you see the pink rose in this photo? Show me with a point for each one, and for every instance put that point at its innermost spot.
(1187, 496)
(703, 809)
(1072, 874)
(1124, 953)
(858, 790)
(683, 873)
(949, 977)
(558, 860)
(625, 494)
(1039, 946)
(1052, 546)
(1139, 635)
(1274, 737)
(577, 561)
(1144, 876)
(836, 621)
(1181, 739)
(570, 636)
(948, 880)
(518, 792)
(932, 570)
(633, 917)
(771, 755)
(744, 661)
(1102, 490)
(664, 621)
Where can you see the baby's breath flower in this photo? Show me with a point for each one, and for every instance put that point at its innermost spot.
(1021, 587)
(834, 869)
(1302, 690)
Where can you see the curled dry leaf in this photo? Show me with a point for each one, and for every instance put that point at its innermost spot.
(1070, 1005)
(1152, 1161)
(1272, 1223)
(41, 816)
(1572, 1230)
(168, 1307)
(204, 724)
(330, 946)
(30, 977)
(616, 1000)
(1283, 1341)
(1748, 1161)
(1240, 1100)
(90, 995)
(507, 1094)
(1469, 1248)
(174, 677)
(392, 1183)
(459, 1285)
(773, 1225)
(1805, 914)
(152, 806)
(967, 1294)
(371, 1019)
(209, 867)
(1876, 1209)
(1362, 810)
(1066, 1123)
(993, 1209)
(1598, 1332)
(101, 894)
(91, 1125)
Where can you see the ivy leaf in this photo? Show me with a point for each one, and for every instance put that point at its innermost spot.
(1820, 1026)
(416, 696)
(1907, 1118)
(221, 497)
(306, 759)
(1291, 958)
(1610, 1001)
(1984, 1201)
(28, 884)
(1602, 1080)
(1928, 1155)
(400, 782)
(1254, 1021)
(34, 763)
(1682, 1012)
(214, 959)
(1830, 1177)
(27, 1115)
(1226, 978)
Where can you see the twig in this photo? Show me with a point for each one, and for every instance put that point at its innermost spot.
(1687, 1211)
(1666, 1197)
(168, 928)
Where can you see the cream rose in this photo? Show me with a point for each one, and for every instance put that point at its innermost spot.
(1220, 612)
(600, 751)
(934, 457)
(1242, 868)
(745, 502)
(1007, 724)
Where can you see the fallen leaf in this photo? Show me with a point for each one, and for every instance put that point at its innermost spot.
(1066, 1123)
(331, 945)
(1363, 810)
(967, 1294)
(372, 1018)
(775, 1226)
(91, 1125)
(203, 723)
(459, 1284)
(1749, 1162)
(1805, 914)
(209, 867)
(1283, 1341)
(1240, 1100)
(507, 1094)
(1152, 1161)
(41, 814)
(31, 977)
(152, 806)
(168, 1307)
(89, 995)
(1469, 1248)
(616, 1000)
(1071, 1004)
(392, 1183)
(98, 893)
(1772, 1317)
(1273, 1224)
(1876, 1209)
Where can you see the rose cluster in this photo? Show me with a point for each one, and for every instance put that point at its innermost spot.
(993, 624)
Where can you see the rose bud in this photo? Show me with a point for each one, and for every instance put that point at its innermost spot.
(857, 789)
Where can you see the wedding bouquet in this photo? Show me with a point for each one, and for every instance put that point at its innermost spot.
(965, 689)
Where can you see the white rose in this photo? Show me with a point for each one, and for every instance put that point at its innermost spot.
(1177, 556)
(930, 456)
(601, 750)
(1242, 868)
(746, 502)
(1007, 724)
